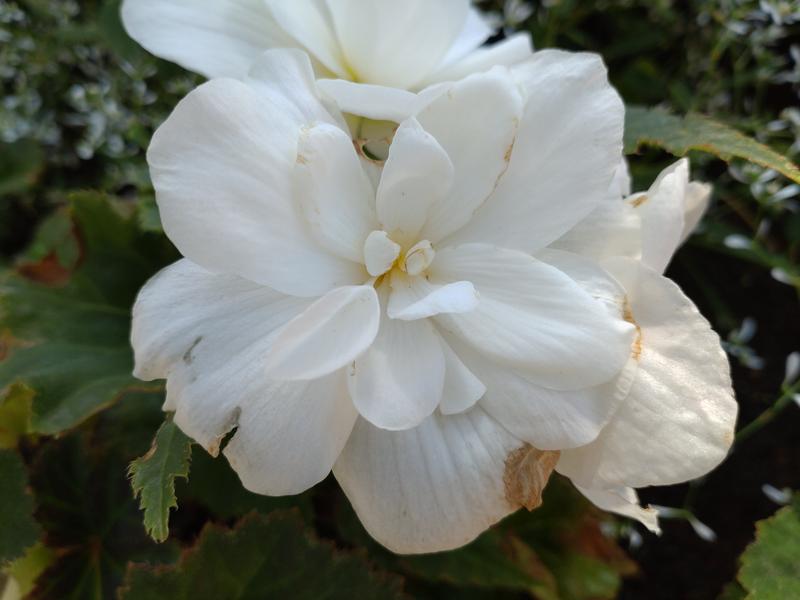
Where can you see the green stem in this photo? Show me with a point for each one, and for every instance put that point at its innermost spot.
(766, 417)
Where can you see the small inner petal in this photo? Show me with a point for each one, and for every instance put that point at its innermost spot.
(419, 258)
(380, 253)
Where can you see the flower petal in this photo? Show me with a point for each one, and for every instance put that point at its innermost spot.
(418, 173)
(545, 418)
(328, 335)
(612, 229)
(461, 388)
(698, 196)
(478, 141)
(678, 420)
(534, 318)
(336, 195)
(208, 335)
(416, 298)
(477, 29)
(398, 382)
(662, 213)
(396, 43)
(308, 22)
(510, 51)
(221, 166)
(550, 419)
(567, 151)
(435, 487)
(216, 38)
(623, 501)
(288, 439)
(376, 102)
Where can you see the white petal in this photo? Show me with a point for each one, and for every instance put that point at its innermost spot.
(567, 150)
(612, 229)
(328, 335)
(678, 420)
(288, 439)
(661, 210)
(371, 101)
(698, 196)
(478, 141)
(432, 488)
(336, 195)
(396, 43)
(208, 335)
(591, 276)
(477, 29)
(309, 23)
(514, 49)
(416, 298)
(417, 174)
(623, 501)
(380, 253)
(462, 389)
(217, 38)
(398, 382)
(221, 166)
(622, 183)
(534, 318)
(550, 419)
(545, 418)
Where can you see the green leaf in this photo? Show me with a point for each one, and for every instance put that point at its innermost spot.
(74, 351)
(18, 530)
(496, 560)
(771, 565)
(677, 135)
(262, 557)
(21, 163)
(26, 570)
(15, 415)
(153, 477)
(90, 521)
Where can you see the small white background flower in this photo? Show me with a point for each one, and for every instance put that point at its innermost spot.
(423, 327)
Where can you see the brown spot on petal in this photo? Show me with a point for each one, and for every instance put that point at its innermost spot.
(509, 150)
(301, 160)
(526, 474)
(637, 201)
(188, 356)
(627, 314)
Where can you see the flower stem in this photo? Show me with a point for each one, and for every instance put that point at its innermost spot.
(786, 399)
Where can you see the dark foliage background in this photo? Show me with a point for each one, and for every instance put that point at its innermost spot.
(79, 104)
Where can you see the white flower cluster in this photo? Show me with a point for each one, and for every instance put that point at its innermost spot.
(414, 260)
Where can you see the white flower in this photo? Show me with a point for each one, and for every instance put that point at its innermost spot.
(677, 422)
(403, 45)
(410, 324)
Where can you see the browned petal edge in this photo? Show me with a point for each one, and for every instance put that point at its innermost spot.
(526, 474)
(627, 314)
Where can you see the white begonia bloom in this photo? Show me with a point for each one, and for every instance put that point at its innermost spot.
(399, 322)
(371, 50)
(678, 419)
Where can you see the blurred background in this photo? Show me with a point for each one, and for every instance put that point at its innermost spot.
(80, 102)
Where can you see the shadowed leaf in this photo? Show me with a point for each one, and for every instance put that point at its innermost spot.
(153, 477)
(677, 135)
(262, 557)
(771, 565)
(18, 530)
